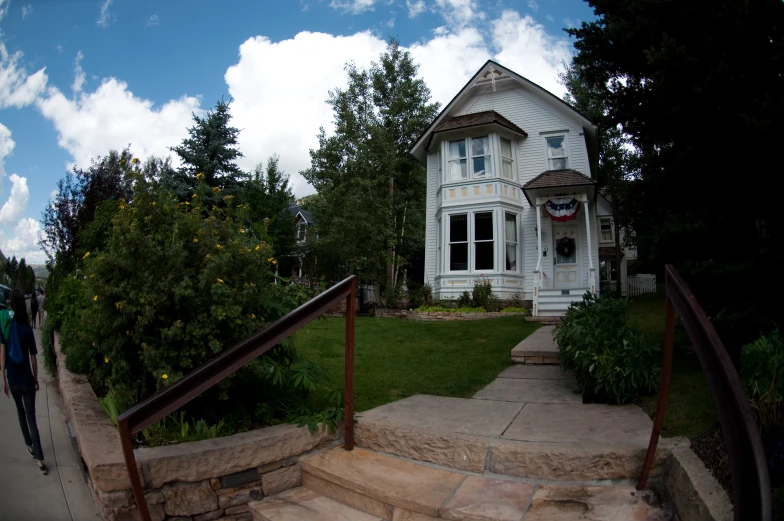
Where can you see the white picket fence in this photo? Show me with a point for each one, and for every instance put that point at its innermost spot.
(640, 284)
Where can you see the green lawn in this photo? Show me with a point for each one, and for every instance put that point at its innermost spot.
(690, 410)
(396, 358)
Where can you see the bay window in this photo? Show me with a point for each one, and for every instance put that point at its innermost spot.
(458, 242)
(510, 237)
(472, 158)
(557, 158)
(458, 166)
(481, 164)
(506, 159)
(484, 259)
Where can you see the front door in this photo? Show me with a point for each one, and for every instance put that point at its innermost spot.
(566, 258)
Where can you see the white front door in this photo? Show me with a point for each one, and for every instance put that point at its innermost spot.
(566, 256)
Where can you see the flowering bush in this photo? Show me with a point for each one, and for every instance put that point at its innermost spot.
(177, 283)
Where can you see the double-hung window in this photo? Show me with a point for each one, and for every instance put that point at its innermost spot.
(484, 259)
(458, 242)
(506, 159)
(481, 164)
(458, 164)
(557, 158)
(510, 236)
(301, 231)
(606, 230)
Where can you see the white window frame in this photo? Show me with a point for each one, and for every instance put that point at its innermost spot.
(567, 152)
(490, 164)
(302, 230)
(503, 160)
(474, 241)
(467, 242)
(439, 249)
(612, 230)
(516, 241)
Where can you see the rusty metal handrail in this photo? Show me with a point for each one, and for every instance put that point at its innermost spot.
(166, 401)
(750, 481)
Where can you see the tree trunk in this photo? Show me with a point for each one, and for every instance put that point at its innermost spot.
(390, 267)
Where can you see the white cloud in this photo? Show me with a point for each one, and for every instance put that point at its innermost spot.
(415, 7)
(111, 117)
(4, 4)
(533, 6)
(528, 49)
(79, 76)
(6, 147)
(17, 88)
(105, 18)
(569, 23)
(353, 6)
(27, 10)
(458, 13)
(550, 18)
(59, 48)
(16, 205)
(24, 243)
(154, 20)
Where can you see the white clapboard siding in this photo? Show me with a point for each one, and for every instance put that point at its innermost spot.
(432, 222)
(640, 284)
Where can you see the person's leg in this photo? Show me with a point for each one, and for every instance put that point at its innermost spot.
(28, 396)
(17, 391)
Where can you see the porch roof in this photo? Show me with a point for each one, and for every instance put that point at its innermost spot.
(553, 179)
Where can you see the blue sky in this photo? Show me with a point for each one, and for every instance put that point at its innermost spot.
(81, 77)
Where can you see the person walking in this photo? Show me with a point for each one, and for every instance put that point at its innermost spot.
(33, 308)
(19, 367)
(41, 299)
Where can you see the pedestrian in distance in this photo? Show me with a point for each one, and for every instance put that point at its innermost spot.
(41, 299)
(33, 308)
(19, 369)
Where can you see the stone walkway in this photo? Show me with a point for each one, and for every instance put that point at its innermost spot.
(538, 348)
(25, 493)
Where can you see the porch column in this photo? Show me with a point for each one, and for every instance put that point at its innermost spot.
(591, 269)
(538, 270)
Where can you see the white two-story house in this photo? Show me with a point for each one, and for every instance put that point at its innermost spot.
(512, 194)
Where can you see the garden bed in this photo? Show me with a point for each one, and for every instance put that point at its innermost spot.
(213, 478)
(445, 315)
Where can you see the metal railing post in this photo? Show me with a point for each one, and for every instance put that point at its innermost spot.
(664, 389)
(348, 409)
(133, 471)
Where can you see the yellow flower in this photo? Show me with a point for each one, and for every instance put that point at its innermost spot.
(216, 189)
(95, 298)
(257, 247)
(144, 345)
(92, 275)
(187, 202)
(135, 160)
(252, 315)
(274, 262)
(164, 376)
(122, 207)
(220, 280)
(219, 246)
(200, 175)
(195, 239)
(105, 360)
(242, 230)
(193, 196)
(270, 259)
(86, 255)
(154, 203)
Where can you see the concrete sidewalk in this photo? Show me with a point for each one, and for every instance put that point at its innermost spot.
(25, 493)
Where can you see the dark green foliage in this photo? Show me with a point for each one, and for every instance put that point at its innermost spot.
(211, 149)
(611, 359)
(464, 300)
(420, 296)
(371, 205)
(762, 373)
(482, 295)
(47, 346)
(670, 76)
(269, 196)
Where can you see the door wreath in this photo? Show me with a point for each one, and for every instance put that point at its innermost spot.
(565, 246)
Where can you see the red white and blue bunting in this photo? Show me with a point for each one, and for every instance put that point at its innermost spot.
(562, 209)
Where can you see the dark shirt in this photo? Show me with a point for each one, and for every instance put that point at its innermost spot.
(21, 373)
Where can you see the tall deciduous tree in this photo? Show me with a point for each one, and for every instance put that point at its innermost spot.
(211, 149)
(698, 88)
(371, 207)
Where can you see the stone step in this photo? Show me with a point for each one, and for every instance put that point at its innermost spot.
(302, 504)
(554, 441)
(397, 489)
(538, 348)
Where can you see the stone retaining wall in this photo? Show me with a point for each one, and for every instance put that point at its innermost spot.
(694, 492)
(441, 315)
(182, 481)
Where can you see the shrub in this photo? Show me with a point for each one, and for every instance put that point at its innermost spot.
(47, 346)
(175, 284)
(612, 360)
(464, 300)
(762, 373)
(517, 301)
(482, 295)
(513, 309)
(420, 296)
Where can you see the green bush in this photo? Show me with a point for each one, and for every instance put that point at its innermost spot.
(762, 373)
(441, 309)
(176, 284)
(47, 346)
(482, 295)
(612, 360)
(420, 296)
(464, 300)
(514, 309)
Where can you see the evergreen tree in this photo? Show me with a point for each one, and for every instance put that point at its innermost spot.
(269, 196)
(211, 149)
(371, 204)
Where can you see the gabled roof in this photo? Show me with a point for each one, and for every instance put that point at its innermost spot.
(299, 210)
(490, 72)
(558, 178)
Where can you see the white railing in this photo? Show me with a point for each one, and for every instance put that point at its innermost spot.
(640, 284)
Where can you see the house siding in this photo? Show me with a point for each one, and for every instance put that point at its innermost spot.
(432, 219)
